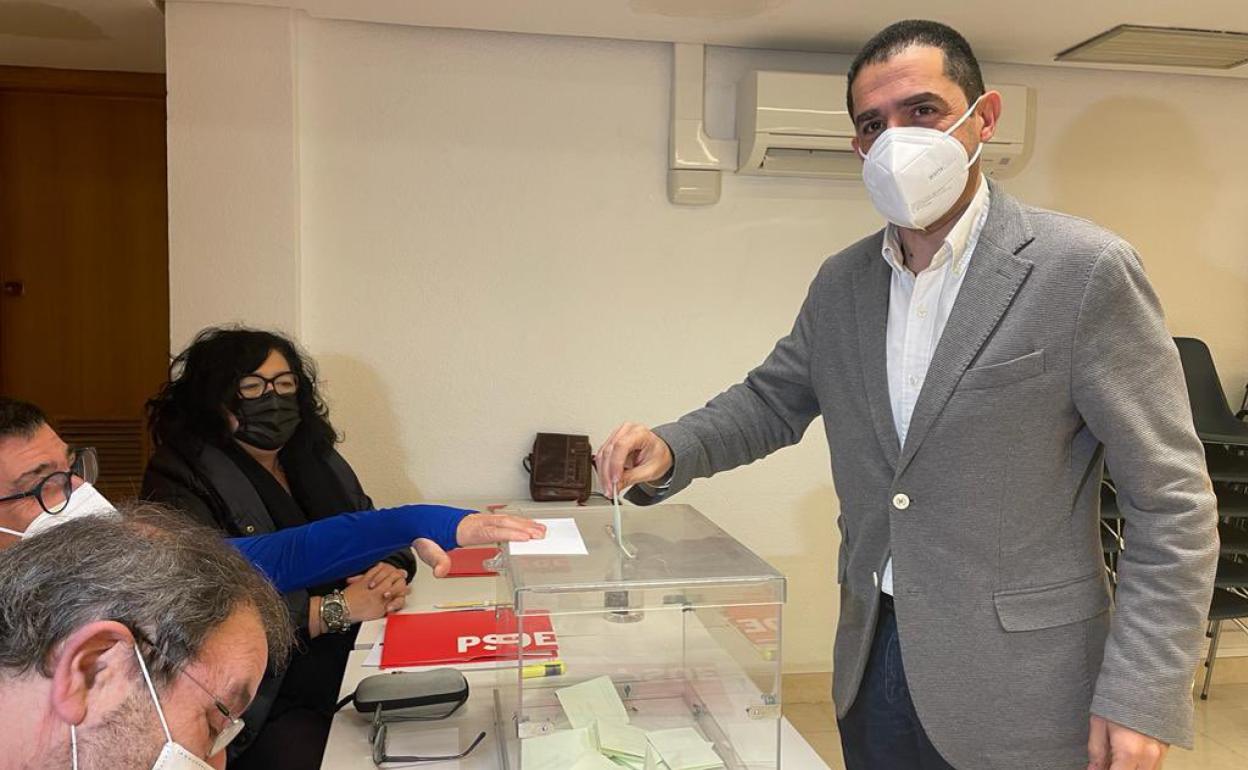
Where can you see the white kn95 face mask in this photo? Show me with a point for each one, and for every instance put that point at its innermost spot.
(86, 500)
(914, 175)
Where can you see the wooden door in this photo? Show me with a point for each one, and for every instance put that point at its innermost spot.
(84, 264)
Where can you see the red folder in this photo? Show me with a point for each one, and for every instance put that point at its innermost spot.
(470, 562)
(448, 638)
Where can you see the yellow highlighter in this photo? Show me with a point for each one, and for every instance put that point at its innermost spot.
(463, 605)
(549, 668)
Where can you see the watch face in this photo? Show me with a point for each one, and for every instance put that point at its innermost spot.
(332, 610)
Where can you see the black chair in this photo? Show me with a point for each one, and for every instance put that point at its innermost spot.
(1226, 605)
(1232, 502)
(1225, 437)
(1227, 465)
(1111, 531)
(1234, 539)
(1232, 574)
(1215, 422)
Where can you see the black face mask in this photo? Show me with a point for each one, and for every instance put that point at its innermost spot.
(267, 422)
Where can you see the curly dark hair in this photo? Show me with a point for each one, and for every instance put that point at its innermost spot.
(204, 378)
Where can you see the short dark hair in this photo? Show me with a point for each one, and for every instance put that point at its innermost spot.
(169, 580)
(19, 418)
(961, 66)
(204, 377)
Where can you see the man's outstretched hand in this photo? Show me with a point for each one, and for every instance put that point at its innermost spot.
(632, 454)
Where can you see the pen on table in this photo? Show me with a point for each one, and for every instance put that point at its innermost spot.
(549, 668)
(456, 606)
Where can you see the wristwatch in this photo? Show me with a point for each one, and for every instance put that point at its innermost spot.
(335, 614)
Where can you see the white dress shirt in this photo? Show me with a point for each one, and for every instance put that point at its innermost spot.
(918, 307)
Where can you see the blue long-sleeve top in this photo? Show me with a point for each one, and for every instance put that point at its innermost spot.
(347, 544)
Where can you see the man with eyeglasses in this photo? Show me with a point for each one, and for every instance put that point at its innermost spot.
(38, 473)
(130, 642)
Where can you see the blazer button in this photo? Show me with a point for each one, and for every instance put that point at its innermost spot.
(901, 502)
(249, 529)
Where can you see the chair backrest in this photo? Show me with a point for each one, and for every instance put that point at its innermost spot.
(1209, 407)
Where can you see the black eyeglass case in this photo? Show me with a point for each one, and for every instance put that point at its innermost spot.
(412, 694)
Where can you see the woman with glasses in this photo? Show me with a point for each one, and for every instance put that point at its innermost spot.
(244, 444)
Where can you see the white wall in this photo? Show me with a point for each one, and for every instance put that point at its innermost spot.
(485, 249)
(233, 168)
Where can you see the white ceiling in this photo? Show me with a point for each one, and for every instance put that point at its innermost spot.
(130, 31)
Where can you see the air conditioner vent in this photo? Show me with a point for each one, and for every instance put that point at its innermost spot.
(1162, 47)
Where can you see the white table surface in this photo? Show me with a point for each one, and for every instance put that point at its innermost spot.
(349, 746)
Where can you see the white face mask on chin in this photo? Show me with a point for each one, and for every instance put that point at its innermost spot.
(915, 175)
(86, 500)
(173, 756)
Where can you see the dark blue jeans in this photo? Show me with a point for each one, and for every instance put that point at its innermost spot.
(882, 730)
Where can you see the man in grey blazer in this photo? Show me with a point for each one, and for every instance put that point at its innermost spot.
(975, 364)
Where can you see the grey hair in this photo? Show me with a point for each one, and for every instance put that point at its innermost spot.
(150, 568)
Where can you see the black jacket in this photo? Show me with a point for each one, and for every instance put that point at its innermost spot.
(209, 486)
(206, 484)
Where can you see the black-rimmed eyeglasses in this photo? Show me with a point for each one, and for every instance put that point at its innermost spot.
(252, 386)
(53, 490)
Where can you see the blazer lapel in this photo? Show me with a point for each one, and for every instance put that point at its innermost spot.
(871, 289)
(993, 277)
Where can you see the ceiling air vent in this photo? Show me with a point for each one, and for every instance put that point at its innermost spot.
(1162, 47)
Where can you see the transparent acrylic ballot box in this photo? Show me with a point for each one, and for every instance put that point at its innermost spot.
(685, 632)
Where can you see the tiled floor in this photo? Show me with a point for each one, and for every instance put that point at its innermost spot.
(817, 724)
(1221, 731)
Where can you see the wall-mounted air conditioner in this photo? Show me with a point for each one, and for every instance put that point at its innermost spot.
(796, 124)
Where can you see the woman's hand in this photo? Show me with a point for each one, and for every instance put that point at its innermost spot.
(364, 603)
(392, 579)
(493, 527)
(479, 529)
(381, 590)
(432, 554)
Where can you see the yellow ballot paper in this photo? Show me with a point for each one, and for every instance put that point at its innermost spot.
(594, 762)
(629, 762)
(684, 749)
(652, 760)
(592, 700)
(621, 740)
(559, 750)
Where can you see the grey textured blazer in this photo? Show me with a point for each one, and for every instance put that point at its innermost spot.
(1055, 358)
